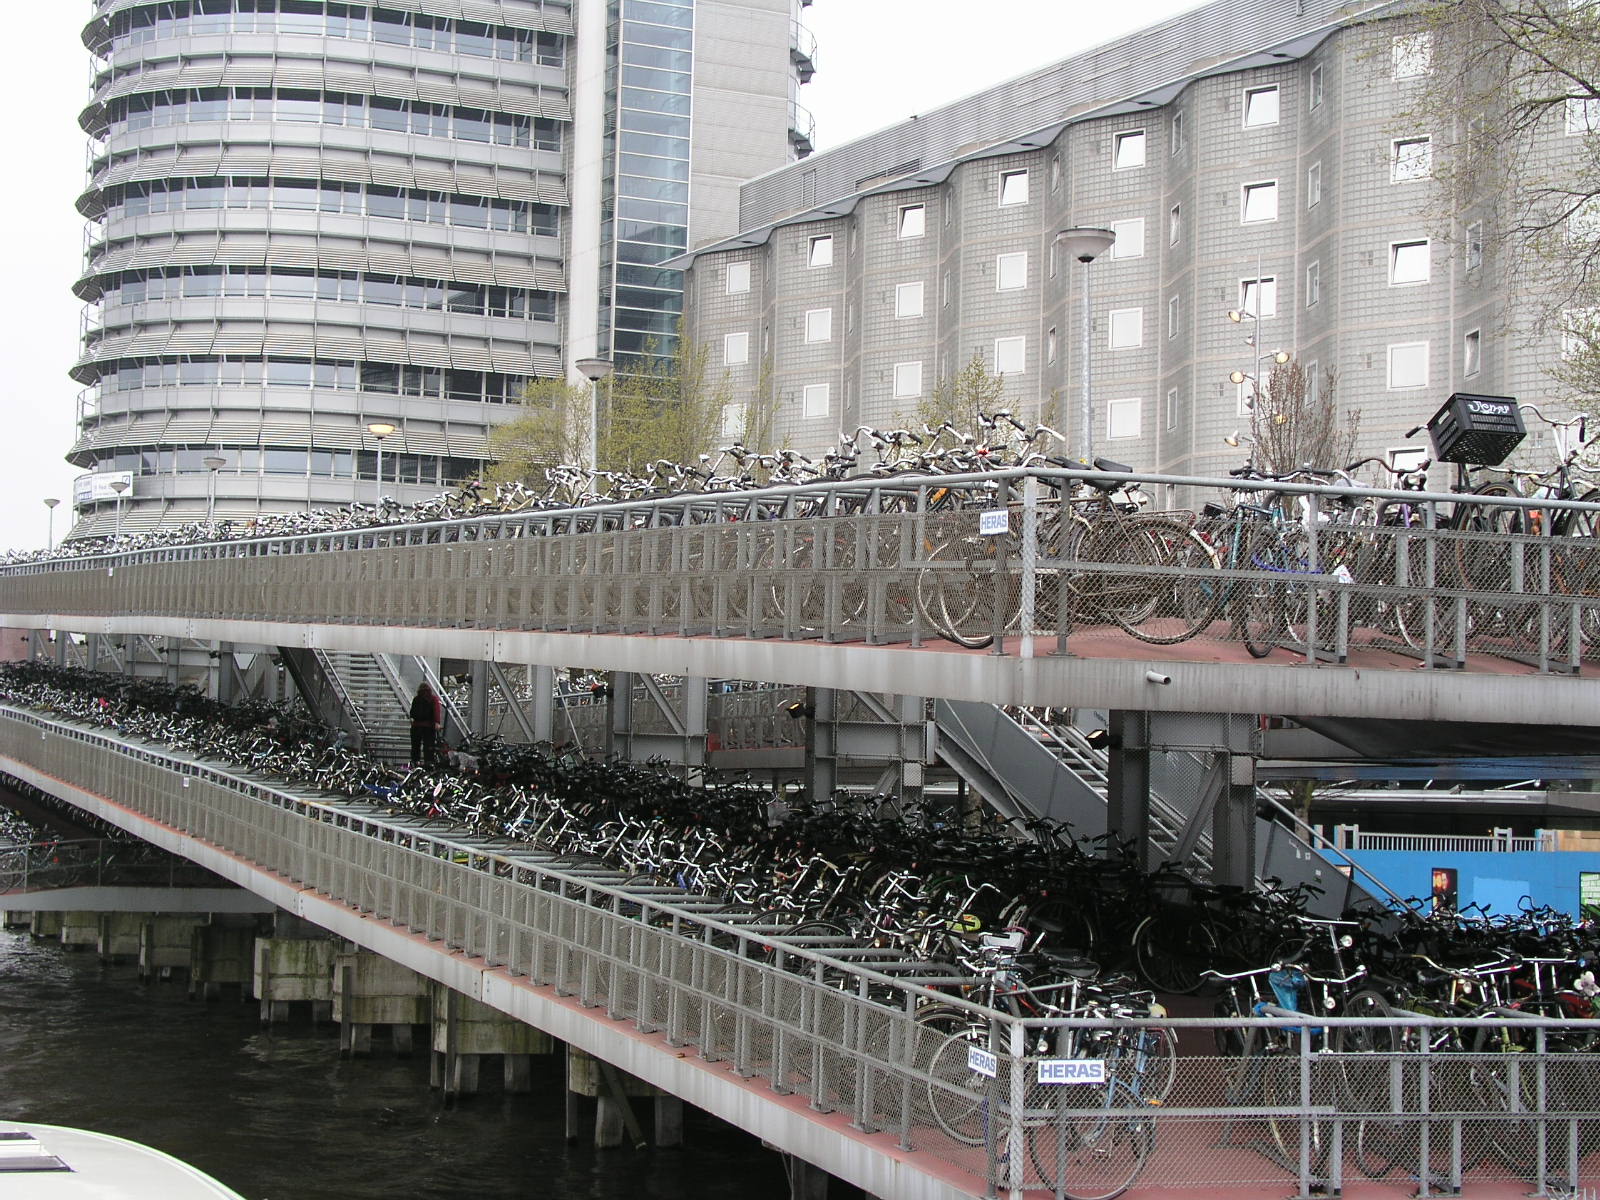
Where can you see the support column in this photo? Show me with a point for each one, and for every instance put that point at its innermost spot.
(221, 954)
(370, 990)
(164, 945)
(806, 1181)
(542, 709)
(1128, 782)
(822, 756)
(294, 971)
(616, 1122)
(465, 1031)
(478, 699)
(120, 936)
(1233, 826)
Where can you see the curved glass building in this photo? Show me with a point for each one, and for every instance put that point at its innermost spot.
(309, 217)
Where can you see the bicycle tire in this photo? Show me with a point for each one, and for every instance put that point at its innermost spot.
(1170, 952)
(1261, 615)
(1090, 1152)
(1181, 605)
(956, 1104)
(950, 598)
(1504, 1094)
(1280, 1089)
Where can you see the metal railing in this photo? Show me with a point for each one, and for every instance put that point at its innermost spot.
(94, 862)
(1031, 1104)
(902, 560)
(1501, 841)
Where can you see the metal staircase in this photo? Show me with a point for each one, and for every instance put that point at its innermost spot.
(1026, 767)
(376, 691)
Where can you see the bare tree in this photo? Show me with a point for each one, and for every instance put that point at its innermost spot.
(1296, 424)
(1508, 94)
(960, 399)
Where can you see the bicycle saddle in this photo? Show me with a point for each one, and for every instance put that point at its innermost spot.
(1071, 964)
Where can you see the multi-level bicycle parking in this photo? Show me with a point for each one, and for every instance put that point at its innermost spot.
(1388, 1044)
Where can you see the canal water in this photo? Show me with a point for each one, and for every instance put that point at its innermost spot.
(278, 1115)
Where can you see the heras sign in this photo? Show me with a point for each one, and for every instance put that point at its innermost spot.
(1072, 1070)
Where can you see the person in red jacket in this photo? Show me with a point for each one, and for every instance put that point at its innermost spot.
(427, 717)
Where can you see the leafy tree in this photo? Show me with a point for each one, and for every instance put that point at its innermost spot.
(551, 427)
(1295, 425)
(662, 406)
(1508, 91)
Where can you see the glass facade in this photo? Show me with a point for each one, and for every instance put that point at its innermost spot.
(646, 205)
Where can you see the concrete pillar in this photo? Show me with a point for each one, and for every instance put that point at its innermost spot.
(1128, 782)
(615, 1121)
(369, 990)
(165, 944)
(120, 936)
(44, 925)
(465, 1030)
(806, 1181)
(669, 1120)
(294, 971)
(222, 955)
(80, 930)
(13, 918)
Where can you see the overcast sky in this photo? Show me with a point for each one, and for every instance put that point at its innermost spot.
(878, 62)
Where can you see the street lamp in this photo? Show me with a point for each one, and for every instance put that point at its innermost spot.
(50, 503)
(119, 486)
(1086, 244)
(213, 464)
(594, 370)
(380, 430)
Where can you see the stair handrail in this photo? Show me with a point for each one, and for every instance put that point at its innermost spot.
(333, 680)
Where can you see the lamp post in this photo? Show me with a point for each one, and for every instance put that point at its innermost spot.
(380, 430)
(594, 370)
(50, 503)
(213, 464)
(119, 486)
(1086, 244)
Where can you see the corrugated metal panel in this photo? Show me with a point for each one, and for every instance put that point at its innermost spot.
(1208, 40)
(518, 16)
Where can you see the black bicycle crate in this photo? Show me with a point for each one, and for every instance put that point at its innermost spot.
(1480, 430)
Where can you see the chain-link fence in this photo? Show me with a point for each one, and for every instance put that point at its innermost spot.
(1000, 1102)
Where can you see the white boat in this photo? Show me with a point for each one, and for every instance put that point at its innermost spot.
(52, 1162)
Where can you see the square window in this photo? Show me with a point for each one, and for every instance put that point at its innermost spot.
(1408, 365)
(1314, 88)
(1122, 419)
(735, 349)
(1127, 149)
(1474, 245)
(1583, 224)
(821, 251)
(907, 379)
(1260, 202)
(1313, 283)
(1130, 238)
(1011, 271)
(1127, 328)
(732, 422)
(1411, 55)
(1261, 106)
(1583, 115)
(1471, 352)
(819, 325)
(1174, 224)
(1265, 290)
(1010, 355)
(1177, 130)
(1013, 187)
(1172, 408)
(738, 279)
(1313, 185)
(1173, 315)
(908, 300)
(1410, 158)
(814, 400)
(1408, 262)
(913, 220)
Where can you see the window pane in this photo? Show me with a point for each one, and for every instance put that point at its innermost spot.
(1408, 365)
(821, 254)
(1472, 349)
(913, 221)
(1412, 55)
(814, 400)
(819, 325)
(1266, 290)
(738, 278)
(1130, 238)
(1011, 271)
(907, 379)
(1010, 355)
(1413, 159)
(1408, 262)
(1127, 327)
(1014, 187)
(736, 349)
(1260, 202)
(1122, 418)
(908, 300)
(1128, 149)
(1261, 106)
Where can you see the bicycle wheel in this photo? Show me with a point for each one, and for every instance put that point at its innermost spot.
(1090, 1151)
(957, 598)
(1146, 1059)
(1170, 608)
(957, 1098)
(1365, 1086)
(1170, 951)
(1280, 1090)
(1259, 605)
(1503, 1088)
(1575, 565)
